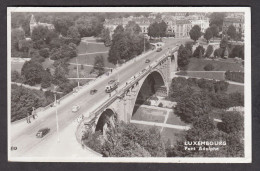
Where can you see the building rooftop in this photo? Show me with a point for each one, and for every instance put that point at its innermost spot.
(233, 20)
(183, 22)
(124, 21)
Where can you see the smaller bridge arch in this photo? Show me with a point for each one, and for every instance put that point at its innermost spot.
(105, 120)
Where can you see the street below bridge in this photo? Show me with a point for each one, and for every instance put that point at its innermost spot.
(23, 135)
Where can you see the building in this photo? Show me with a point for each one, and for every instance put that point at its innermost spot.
(178, 28)
(199, 20)
(34, 24)
(237, 22)
(180, 24)
(143, 22)
(235, 15)
(182, 28)
(171, 23)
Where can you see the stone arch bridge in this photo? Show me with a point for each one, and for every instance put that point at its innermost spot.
(154, 79)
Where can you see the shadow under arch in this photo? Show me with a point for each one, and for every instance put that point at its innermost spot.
(150, 87)
(105, 120)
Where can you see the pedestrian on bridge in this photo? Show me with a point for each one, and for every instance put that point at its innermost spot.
(28, 118)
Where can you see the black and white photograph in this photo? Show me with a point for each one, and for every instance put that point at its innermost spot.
(129, 84)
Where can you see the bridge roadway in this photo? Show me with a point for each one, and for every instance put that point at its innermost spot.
(25, 139)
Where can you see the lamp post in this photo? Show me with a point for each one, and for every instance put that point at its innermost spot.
(77, 70)
(33, 113)
(57, 119)
(144, 43)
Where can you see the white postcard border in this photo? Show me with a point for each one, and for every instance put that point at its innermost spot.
(247, 84)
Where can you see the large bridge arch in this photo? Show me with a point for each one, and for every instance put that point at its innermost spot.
(148, 86)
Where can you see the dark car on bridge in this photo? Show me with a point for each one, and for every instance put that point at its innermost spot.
(93, 91)
(42, 132)
(158, 49)
(147, 60)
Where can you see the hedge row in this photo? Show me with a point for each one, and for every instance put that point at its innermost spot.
(235, 76)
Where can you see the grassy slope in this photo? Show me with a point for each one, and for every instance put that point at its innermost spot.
(198, 65)
(90, 58)
(210, 75)
(17, 66)
(150, 115)
(175, 120)
(235, 88)
(91, 47)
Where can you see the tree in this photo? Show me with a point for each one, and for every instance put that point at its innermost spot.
(215, 30)
(25, 46)
(208, 67)
(126, 140)
(217, 18)
(191, 108)
(51, 35)
(126, 45)
(56, 43)
(199, 52)
(21, 19)
(183, 57)
(188, 46)
(132, 28)
(39, 37)
(105, 37)
(22, 101)
(208, 34)
(32, 72)
(195, 33)
(44, 52)
(15, 76)
(98, 65)
(237, 51)
(158, 17)
(153, 30)
(241, 53)
(74, 35)
(89, 26)
(180, 89)
(16, 36)
(236, 99)
(224, 43)
(62, 24)
(67, 87)
(220, 100)
(231, 32)
(209, 51)
(207, 85)
(162, 28)
(119, 49)
(219, 52)
(64, 52)
(221, 86)
(59, 76)
(46, 79)
(232, 122)
(119, 30)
